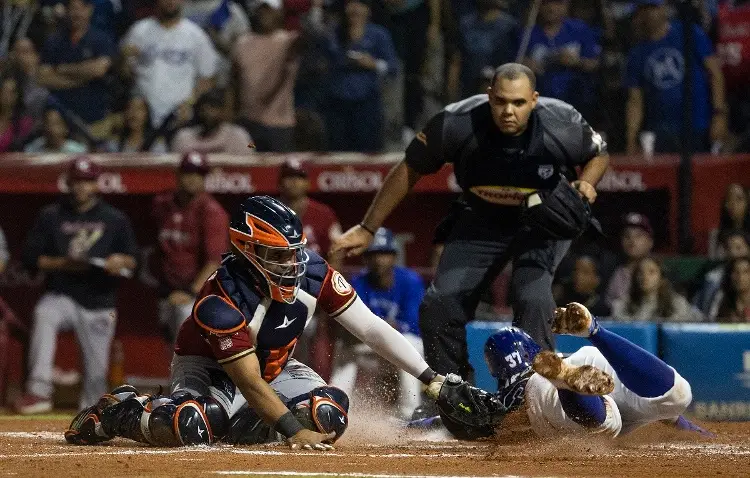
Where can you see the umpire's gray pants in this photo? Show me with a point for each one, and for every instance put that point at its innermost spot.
(473, 257)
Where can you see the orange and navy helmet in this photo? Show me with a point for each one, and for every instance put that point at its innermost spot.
(269, 236)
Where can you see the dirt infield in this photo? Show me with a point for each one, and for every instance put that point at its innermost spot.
(372, 448)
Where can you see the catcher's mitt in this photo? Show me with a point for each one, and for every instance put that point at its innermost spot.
(468, 412)
(559, 213)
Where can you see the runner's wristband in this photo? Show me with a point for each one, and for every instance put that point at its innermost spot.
(288, 425)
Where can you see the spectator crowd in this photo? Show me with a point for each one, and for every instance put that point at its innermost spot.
(350, 75)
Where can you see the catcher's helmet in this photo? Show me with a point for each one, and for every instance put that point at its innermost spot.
(269, 235)
(509, 354)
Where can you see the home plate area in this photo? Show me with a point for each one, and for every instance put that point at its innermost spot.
(372, 447)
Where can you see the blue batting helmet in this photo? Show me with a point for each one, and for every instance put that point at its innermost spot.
(509, 354)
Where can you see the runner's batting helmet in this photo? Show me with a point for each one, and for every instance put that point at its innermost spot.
(509, 354)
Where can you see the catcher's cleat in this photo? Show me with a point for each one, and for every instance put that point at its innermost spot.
(86, 429)
(583, 379)
(574, 319)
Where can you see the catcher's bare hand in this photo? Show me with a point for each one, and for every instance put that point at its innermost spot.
(310, 440)
(353, 242)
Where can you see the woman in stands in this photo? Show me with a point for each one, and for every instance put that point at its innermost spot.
(652, 298)
(732, 303)
(735, 214)
(15, 126)
(137, 133)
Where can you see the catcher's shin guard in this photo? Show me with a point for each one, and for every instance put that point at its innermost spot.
(184, 420)
(86, 427)
(323, 410)
(329, 407)
(247, 428)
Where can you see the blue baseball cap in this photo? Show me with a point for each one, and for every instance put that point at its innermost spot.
(382, 242)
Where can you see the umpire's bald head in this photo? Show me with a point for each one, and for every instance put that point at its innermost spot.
(514, 71)
(512, 97)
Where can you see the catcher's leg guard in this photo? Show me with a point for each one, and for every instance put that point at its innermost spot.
(185, 420)
(247, 428)
(86, 428)
(324, 410)
(329, 409)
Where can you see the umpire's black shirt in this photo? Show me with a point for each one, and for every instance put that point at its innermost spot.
(61, 231)
(496, 171)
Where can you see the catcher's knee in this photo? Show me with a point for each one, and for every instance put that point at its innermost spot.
(324, 409)
(187, 420)
(329, 410)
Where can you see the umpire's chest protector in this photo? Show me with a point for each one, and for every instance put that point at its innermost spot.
(489, 171)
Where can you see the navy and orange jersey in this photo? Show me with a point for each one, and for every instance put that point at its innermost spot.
(231, 318)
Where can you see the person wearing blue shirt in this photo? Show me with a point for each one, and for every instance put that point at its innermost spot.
(75, 63)
(564, 54)
(361, 54)
(393, 293)
(488, 38)
(654, 78)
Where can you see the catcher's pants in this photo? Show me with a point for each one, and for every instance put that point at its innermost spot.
(94, 329)
(204, 376)
(626, 411)
(474, 255)
(172, 316)
(345, 374)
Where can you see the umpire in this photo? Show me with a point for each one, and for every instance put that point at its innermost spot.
(504, 146)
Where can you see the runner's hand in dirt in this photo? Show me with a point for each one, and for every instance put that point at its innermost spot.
(310, 440)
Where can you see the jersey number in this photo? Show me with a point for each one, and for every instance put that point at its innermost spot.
(513, 359)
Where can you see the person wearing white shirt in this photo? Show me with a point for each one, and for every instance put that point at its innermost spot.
(172, 60)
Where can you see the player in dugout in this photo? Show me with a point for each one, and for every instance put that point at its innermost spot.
(505, 146)
(233, 378)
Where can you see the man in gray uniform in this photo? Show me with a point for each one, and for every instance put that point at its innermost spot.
(503, 146)
(84, 246)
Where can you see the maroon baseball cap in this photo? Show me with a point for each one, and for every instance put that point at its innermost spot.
(636, 219)
(292, 168)
(83, 168)
(194, 162)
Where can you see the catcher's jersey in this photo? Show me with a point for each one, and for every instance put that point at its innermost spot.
(232, 319)
(496, 171)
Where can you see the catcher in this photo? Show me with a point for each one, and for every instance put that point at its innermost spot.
(233, 378)
(613, 387)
